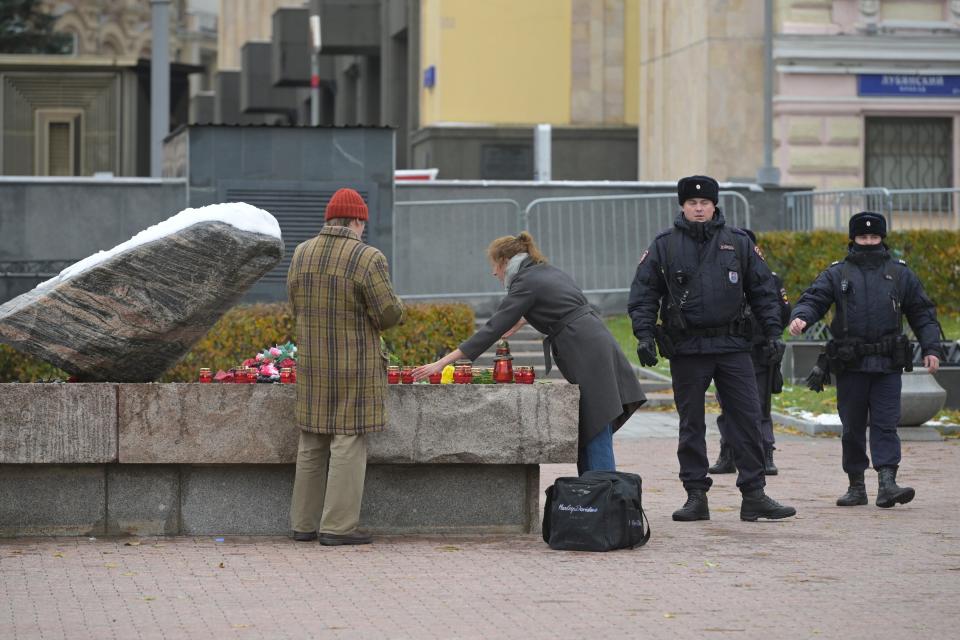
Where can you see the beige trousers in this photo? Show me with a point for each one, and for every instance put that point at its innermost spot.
(328, 487)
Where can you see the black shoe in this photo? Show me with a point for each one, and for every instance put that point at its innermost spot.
(890, 493)
(856, 493)
(695, 508)
(757, 504)
(337, 539)
(724, 462)
(304, 536)
(769, 469)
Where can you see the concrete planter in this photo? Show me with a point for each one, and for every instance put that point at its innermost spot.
(949, 379)
(799, 359)
(921, 398)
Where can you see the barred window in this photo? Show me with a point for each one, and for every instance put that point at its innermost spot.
(909, 153)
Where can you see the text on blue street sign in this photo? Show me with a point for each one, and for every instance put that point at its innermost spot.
(908, 86)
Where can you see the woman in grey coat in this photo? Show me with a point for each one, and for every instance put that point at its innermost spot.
(577, 339)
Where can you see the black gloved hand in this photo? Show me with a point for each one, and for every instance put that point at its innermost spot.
(815, 379)
(647, 352)
(820, 374)
(775, 348)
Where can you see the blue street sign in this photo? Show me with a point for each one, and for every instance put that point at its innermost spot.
(907, 86)
(430, 77)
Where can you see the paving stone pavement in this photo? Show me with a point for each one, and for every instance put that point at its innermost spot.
(860, 572)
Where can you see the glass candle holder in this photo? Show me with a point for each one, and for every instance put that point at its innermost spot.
(206, 376)
(406, 375)
(285, 374)
(435, 378)
(393, 375)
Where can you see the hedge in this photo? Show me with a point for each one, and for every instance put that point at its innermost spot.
(933, 255)
(245, 330)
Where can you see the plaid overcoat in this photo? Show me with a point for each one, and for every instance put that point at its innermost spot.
(342, 299)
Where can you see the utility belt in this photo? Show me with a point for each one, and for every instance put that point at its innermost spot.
(667, 336)
(846, 353)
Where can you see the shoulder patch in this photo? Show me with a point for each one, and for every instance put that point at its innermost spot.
(726, 247)
(644, 257)
(756, 250)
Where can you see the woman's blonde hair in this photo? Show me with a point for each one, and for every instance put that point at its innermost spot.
(508, 246)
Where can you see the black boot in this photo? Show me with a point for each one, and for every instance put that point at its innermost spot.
(890, 493)
(725, 462)
(769, 469)
(757, 504)
(856, 493)
(695, 508)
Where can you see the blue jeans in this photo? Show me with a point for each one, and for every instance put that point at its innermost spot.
(598, 454)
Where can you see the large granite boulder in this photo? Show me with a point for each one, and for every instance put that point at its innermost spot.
(128, 314)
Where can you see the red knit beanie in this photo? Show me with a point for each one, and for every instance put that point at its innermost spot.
(346, 203)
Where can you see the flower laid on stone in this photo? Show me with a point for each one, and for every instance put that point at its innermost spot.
(268, 364)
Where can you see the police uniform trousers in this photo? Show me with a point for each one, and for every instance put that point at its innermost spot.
(766, 420)
(873, 397)
(729, 371)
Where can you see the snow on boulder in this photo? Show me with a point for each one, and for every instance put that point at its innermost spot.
(128, 314)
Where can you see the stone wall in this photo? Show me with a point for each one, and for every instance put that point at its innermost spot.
(167, 459)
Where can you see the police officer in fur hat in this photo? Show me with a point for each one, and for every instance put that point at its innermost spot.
(699, 277)
(872, 293)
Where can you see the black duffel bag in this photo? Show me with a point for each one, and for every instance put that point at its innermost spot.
(599, 511)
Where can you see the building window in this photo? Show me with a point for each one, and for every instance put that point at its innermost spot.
(909, 153)
(58, 146)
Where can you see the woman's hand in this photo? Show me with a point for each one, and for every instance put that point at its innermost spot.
(515, 328)
(932, 363)
(425, 370)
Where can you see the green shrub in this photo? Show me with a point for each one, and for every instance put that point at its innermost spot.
(19, 367)
(933, 255)
(429, 331)
(241, 333)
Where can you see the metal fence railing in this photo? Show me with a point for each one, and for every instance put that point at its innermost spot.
(439, 246)
(598, 240)
(903, 208)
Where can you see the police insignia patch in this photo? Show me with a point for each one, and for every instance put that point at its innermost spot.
(734, 277)
(756, 249)
(644, 256)
(726, 247)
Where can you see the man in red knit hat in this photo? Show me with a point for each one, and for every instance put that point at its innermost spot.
(342, 299)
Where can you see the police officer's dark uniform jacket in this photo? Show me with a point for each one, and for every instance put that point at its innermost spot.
(872, 294)
(714, 269)
(879, 292)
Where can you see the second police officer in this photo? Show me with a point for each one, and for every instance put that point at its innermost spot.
(872, 293)
(766, 366)
(699, 276)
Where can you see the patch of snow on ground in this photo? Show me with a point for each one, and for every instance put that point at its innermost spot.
(819, 418)
(241, 215)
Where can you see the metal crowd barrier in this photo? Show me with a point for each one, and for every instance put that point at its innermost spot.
(904, 208)
(443, 246)
(598, 240)
(439, 245)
